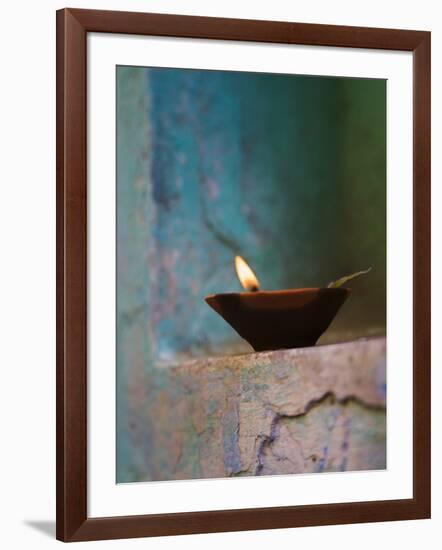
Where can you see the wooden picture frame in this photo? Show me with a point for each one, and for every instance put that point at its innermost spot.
(73, 523)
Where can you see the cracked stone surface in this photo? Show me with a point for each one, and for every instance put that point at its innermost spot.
(317, 409)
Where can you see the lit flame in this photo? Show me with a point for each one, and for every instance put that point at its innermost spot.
(245, 275)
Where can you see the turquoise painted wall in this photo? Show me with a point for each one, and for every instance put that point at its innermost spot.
(288, 171)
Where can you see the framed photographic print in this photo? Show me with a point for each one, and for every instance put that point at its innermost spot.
(243, 274)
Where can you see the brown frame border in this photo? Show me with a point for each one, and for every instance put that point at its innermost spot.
(72, 28)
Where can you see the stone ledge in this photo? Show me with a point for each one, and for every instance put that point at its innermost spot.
(289, 411)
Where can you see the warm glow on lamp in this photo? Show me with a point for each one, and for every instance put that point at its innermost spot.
(279, 319)
(245, 275)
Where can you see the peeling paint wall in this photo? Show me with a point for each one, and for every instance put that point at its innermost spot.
(288, 171)
(321, 409)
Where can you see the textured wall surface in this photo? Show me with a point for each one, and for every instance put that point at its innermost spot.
(318, 409)
(288, 171)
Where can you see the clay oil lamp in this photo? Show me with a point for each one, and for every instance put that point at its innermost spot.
(278, 319)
